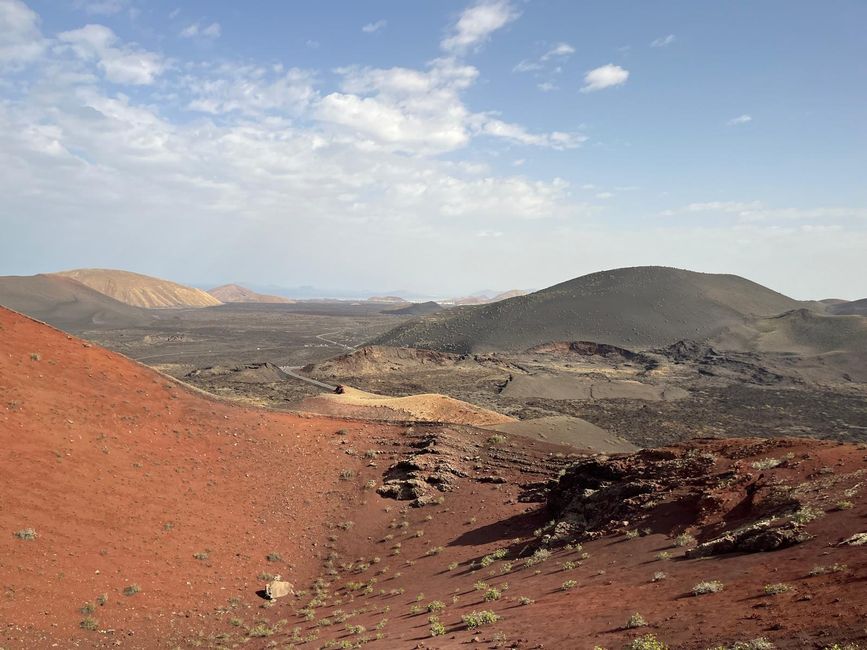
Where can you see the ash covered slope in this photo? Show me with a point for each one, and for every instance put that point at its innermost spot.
(635, 308)
(68, 304)
(141, 290)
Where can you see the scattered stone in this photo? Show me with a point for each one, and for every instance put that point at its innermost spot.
(278, 588)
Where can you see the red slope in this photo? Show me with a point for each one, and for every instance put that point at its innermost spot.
(125, 475)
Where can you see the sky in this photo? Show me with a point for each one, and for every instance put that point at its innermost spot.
(436, 147)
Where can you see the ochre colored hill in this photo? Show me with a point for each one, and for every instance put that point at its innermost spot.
(141, 290)
(634, 308)
(431, 407)
(237, 293)
(68, 304)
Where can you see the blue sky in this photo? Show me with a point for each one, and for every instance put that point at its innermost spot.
(439, 147)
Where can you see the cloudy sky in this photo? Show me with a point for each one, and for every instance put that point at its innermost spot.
(435, 146)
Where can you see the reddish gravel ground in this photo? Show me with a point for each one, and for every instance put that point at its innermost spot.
(125, 476)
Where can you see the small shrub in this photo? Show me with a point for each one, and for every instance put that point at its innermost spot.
(436, 606)
(102, 599)
(89, 623)
(844, 505)
(260, 630)
(632, 534)
(569, 584)
(658, 576)
(273, 557)
(647, 642)
(524, 600)
(539, 555)
(453, 566)
(568, 565)
(476, 619)
(636, 620)
(663, 555)
(346, 475)
(201, 555)
(492, 594)
(806, 515)
(819, 570)
(767, 463)
(26, 534)
(496, 439)
(131, 590)
(760, 643)
(684, 539)
(777, 588)
(34, 356)
(708, 587)
(437, 629)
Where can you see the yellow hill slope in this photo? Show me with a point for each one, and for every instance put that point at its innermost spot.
(141, 290)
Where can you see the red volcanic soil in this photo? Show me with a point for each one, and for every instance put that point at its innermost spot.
(126, 475)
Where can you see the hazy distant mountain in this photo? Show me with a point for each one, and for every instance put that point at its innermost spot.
(237, 293)
(67, 303)
(634, 308)
(141, 290)
(487, 297)
(853, 308)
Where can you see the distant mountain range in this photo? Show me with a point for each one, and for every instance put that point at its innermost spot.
(237, 293)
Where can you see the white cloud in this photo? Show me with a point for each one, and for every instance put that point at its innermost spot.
(547, 86)
(604, 195)
(21, 41)
(421, 112)
(663, 41)
(102, 7)
(250, 90)
(740, 119)
(723, 206)
(477, 23)
(605, 76)
(122, 64)
(371, 28)
(197, 30)
(558, 51)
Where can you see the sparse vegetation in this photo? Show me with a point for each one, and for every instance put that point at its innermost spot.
(89, 623)
(131, 590)
(707, 587)
(663, 555)
(525, 600)
(201, 555)
(346, 475)
(436, 606)
(844, 505)
(26, 534)
(273, 557)
(569, 584)
(476, 619)
(684, 539)
(766, 463)
(647, 642)
(636, 620)
(806, 515)
(819, 570)
(492, 593)
(437, 629)
(658, 576)
(777, 588)
(496, 439)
